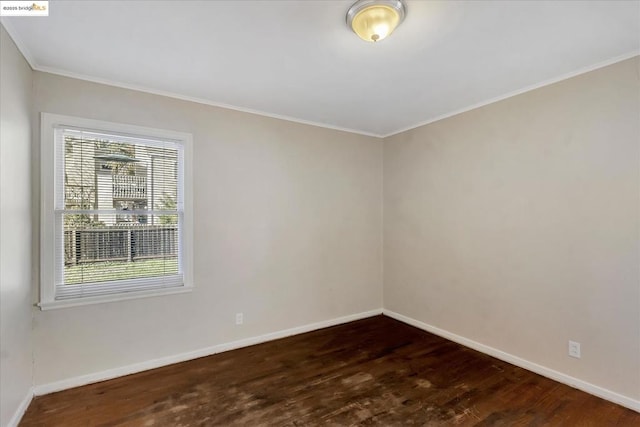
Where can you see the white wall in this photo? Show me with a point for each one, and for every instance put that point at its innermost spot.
(517, 225)
(15, 229)
(288, 230)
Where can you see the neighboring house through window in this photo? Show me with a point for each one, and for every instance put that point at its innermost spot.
(116, 211)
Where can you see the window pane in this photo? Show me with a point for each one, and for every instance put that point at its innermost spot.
(105, 173)
(104, 247)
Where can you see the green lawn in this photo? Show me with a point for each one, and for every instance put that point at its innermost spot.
(118, 270)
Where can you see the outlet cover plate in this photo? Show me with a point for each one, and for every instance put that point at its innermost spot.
(574, 349)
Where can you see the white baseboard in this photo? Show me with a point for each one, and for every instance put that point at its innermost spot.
(41, 389)
(515, 360)
(22, 408)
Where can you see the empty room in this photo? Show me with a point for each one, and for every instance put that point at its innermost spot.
(320, 212)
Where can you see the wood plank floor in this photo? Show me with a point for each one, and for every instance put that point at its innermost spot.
(375, 371)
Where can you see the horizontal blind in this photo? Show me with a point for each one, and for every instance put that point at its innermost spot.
(119, 213)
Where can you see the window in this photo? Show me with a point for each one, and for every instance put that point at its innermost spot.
(116, 212)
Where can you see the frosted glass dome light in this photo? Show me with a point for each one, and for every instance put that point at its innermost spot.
(374, 20)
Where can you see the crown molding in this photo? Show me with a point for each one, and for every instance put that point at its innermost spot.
(22, 47)
(37, 67)
(517, 92)
(145, 89)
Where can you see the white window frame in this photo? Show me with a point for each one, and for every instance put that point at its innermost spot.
(48, 241)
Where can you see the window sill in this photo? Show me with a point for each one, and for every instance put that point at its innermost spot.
(76, 302)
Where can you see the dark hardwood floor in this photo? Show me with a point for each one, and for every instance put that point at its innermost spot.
(375, 371)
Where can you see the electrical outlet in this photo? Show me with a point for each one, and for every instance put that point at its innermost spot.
(574, 349)
(239, 318)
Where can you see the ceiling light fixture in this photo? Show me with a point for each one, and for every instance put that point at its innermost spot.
(373, 20)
